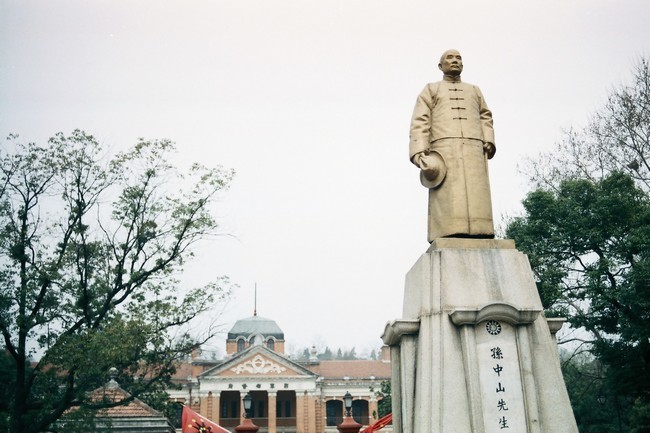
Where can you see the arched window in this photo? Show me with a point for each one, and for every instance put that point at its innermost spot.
(360, 411)
(334, 412)
(270, 343)
(240, 345)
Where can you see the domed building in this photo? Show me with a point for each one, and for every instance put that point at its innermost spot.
(255, 330)
(288, 396)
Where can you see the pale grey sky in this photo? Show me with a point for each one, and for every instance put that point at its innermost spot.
(310, 102)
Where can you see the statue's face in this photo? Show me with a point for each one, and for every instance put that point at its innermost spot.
(451, 63)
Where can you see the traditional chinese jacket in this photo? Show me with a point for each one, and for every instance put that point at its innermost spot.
(452, 118)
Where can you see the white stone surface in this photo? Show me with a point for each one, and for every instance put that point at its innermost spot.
(441, 370)
(500, 379)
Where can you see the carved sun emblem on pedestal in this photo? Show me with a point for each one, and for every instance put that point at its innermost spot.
(493, 327)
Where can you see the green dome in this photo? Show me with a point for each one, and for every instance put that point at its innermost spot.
(255, 325)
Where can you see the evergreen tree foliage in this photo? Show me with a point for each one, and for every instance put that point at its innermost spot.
(326, 355)
(589, 246)
(384, 400)
(595, 407)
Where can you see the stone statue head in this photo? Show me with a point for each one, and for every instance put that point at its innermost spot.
(451, 63)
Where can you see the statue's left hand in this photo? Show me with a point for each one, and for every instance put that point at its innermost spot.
(489, 149)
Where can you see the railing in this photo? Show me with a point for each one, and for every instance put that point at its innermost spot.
(338, 419)
(285, 422)
(334, 420)
(363, 420)
(260, 422)
(230, 423)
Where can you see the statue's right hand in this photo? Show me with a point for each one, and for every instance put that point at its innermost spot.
(416, 159)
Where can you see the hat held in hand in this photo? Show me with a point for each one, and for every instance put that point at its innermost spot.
(432, 169)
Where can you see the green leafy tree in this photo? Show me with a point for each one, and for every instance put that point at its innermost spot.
(596, 409)
(384, 400)
(91, 248)
(585, 230)
(641, 416)
(589, 246)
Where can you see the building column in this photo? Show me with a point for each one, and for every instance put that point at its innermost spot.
(320, 417)
(373, 410)
(200, 403)
(216, 407)
(206, 406)
(311, 411)
(272, 399)
(300, 412)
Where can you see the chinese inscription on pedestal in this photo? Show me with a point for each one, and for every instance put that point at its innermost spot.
(503, 409)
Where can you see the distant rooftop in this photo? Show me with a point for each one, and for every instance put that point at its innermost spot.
(255, 325)
(133, 417)
(352, 369)
(113, 394)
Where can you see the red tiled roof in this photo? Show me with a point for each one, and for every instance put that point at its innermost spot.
(183, 370)
(354, 369)
(136, 408)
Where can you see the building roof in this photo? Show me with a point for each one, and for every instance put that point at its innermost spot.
(133, 417)
(353, 369)
(112, 393)
(255, 325)
(243, 359)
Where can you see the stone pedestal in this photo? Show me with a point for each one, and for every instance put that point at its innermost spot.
(474, 352)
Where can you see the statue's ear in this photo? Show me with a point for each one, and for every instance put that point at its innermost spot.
(440, 66)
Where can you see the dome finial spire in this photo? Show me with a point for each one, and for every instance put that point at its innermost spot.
(255, 305)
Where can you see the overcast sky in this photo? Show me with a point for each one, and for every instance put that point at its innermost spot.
(310, 102)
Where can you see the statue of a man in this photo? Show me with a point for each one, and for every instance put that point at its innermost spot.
(451, 140)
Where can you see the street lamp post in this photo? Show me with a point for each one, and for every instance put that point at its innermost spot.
(247, 425)
(349, 425)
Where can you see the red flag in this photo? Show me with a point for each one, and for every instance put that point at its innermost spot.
(380, 424)
(192, 422)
